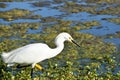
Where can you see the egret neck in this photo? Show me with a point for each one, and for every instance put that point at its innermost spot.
(59, 46)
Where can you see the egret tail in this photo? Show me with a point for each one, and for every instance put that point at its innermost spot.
(5, 56)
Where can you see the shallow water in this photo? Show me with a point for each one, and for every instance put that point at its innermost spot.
(19, 21)
(105, 29)
(85, 16)
(19, 5)
(46, 12)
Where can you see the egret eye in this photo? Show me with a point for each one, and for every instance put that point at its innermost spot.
(70, 38)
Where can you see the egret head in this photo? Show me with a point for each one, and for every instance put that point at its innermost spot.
(68, 37)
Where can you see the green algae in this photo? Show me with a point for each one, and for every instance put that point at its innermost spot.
(2, 5)
(115, 20)
(73, 7)
(86, 25)
(8, 45)
(49, 19)
(6, 0)
(17, 14)
(4, 30)
(42, 3)
(12, 14)
(110, 36)
(17, 30)
(110, 10)
(103, 1)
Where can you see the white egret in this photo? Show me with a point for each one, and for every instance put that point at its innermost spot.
(36, 52)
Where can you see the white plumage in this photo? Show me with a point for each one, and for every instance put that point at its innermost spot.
(28, 54)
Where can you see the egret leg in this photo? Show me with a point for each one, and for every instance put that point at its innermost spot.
(37, 66)
(32, 73)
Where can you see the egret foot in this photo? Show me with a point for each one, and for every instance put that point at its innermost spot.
(38, 66)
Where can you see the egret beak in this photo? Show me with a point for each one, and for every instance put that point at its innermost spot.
(75, 43)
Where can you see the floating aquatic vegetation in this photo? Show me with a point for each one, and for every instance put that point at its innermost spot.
(23, 26)
(17, 29)
(93, 6)
(102, 1)
(6, 0)
(72, 7)
(110, 36)
(86, 25)
(5, 30)
(118, 34)
(115, 20)
(16, 14)
(49, 19)
(110, 10)
(2, 5)
(42, 3)
(8, 45)
(92, 23)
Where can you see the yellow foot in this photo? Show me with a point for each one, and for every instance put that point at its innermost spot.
(38, 67)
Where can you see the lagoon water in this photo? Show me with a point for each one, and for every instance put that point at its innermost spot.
(106, 27)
